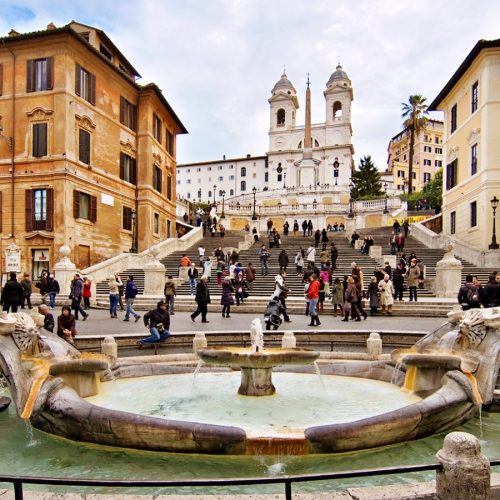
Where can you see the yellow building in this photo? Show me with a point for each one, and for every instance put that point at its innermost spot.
(427, 159)
(471, 105)
(87, 155)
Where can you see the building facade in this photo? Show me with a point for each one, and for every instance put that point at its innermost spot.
(87, 155)
(427, 159)
(471, 105)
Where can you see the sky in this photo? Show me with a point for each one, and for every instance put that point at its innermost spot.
(216, 61)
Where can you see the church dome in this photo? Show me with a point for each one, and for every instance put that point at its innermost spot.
(285, 85)
(338, 74)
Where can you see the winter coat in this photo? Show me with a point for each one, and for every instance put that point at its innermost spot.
(337, 294)
(226, 298)
(202, 296)
(87, 289)
(350, 294)
(12, 293)
(131, 290)
(114, 285)
(66, 322)
(490, 294)
(386, 293)
(156, 317)
(283, 259)
(373, 295)
(169, 288)
(413, 275)
(77, 288)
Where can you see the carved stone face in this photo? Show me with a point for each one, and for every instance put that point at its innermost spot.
(472, 327)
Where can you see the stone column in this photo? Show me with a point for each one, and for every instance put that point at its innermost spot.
(64, 271)
(374, 345)
(466, 471)
(288, 341)
(448, 275)
(199, 342)
(375, 252)
(109, 347)
(154, 274)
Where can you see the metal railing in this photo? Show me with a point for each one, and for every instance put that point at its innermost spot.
(19, 481)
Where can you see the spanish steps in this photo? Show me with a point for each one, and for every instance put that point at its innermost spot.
(263, 286)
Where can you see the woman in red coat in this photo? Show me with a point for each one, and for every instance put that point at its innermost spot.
(87, 292)
(313, 297)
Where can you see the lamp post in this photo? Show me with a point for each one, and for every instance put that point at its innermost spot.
(385, 205)
(494, 204)
(215, 187)
(351, 213)
(223, 193)
(254, 215)
(133, 216)
(284, 180)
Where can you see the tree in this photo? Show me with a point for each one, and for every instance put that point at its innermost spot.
(433, 190)
(413, 114)
(366, 180)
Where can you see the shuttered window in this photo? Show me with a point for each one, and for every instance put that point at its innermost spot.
(39, 74)
(127, 218)
(128, 114)
(169, 187)
(84, 146)
(84, 84)
(157, 177)
(84, 206)
(157, 127)
(170, 142)
(128, 169)
(39, 209)
(39, 139)
(1, 79)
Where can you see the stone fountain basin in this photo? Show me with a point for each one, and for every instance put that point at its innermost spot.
(248, 358)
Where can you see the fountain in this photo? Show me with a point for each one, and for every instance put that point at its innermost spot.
(60, 391)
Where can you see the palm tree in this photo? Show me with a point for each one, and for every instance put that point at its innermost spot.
(413, 114)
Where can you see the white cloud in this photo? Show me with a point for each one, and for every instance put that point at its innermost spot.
(216, 61)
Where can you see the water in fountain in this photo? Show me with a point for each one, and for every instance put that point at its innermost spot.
(448, 340)
(257, 335)
(318, 373)
(395, 374)
(30, 440)
(197, 370)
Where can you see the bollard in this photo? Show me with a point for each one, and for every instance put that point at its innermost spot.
(199, 341)
(109, 347)
(288, 341)
(466, 471)
(374, 345)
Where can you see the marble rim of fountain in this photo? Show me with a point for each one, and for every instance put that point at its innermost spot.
(248, 358)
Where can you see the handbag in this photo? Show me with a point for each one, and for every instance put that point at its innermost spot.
(346, 306)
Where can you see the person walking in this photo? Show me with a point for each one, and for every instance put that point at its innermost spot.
(12, 294)
(350, 300)
(158, 322)
(130, 295)
(334, 255)
(281, 292)
(406, 227)
(311, 255)
(86, 293)
(250, 275)
(386, 295)
(304, 227)
(227, 299)
(239, 287)
(201, 253)
(324, 237)
(76, 297)
(413, 276)
(373, 295)
(207, 268)
(295, 228)
(192, 276)
(114, 282)
(52, 289)
(170, 292)
(359, 294)
(299, 263)
(264, 258)
(337, 296)
(309, 228)
(313, 296)
(66, 325)
(27, 291)
(202, 299)
(283, 260)
(398, 278)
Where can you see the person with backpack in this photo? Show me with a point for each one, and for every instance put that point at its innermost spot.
(130, 295)
(468, 295)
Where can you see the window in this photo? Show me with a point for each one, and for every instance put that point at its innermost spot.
(438, 163)
(414, 175)
(427, 149)
(436, 140)
(231, 177)
(188, 181)
(39, 139)
(427, 163)
(84, 206)
(156, 224)
(473, 214)
(474, 97)
(210, 194)
(169, 187)
(427, 177)
(170, 142)
(128, 169)
(39, 209)
(451, 174)
(220, 178)
(266, 176)
(243, 172)
(243, 186)
(426, 138)
(156, 127)
(453, 221)
(127, 219)
(128, 114)
(105, 52)
(232, 166)
(231, 192)
(220, 167)
(453, 118)
(84, 84)
(1, 79)
(401, 173)
(157, 178)
(39, 74)
(279, 178)
(473, 159)
(337, 110)
(438, 151)
(84, 146)
(280, 117)
(198, 169)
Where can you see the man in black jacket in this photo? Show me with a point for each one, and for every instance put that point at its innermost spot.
(202, 298)
(158, 322)
(12, 294)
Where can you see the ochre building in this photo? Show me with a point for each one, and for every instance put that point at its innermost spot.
(87, 155)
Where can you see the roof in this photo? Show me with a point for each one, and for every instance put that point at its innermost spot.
(283, 84)
(69, 30)
(480, 45)
(226, 160)
(338, 74)
(399, 134)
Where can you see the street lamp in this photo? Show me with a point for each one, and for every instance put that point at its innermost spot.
(385, 206)
(351, 213)
(284, 180)
(254, 215)
(494, 205)
(215, 187)
(223, 193)
(133, 217)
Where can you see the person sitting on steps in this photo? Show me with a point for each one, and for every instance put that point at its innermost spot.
(158, 322)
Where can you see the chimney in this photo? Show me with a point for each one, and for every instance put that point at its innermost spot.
(13, 32)
(51, 26)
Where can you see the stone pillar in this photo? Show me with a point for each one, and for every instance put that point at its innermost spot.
(199, 341)
(374, 345)
(154, 274)
(109, 347)
(466, 471)
(448, 275)
(64, 271)
(375, 252)
(358, 244)
(391, 259)
(288, 341)
(183, 273)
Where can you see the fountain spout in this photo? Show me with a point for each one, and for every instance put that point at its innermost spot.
(257, 335)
